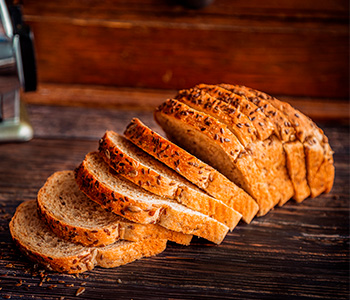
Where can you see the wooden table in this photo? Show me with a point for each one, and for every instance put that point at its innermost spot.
(299, 251)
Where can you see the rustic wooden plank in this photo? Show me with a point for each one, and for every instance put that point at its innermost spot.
(299, 251)
(335, 10)
(148, 99)
(281, 51)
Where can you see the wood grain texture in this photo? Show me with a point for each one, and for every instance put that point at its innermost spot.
(299, 251)
(291, 48)
(139, 99)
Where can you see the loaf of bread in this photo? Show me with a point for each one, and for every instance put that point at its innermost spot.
(232, 152)
(41, 245)
(319, 155)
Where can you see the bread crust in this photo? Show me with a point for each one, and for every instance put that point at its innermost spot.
(196, 171)
(268, 154)
(285, 129)
(262, 124)
(252, 177)
(142, 212)
(232, 116)
(99, 236)
(305, 130)
(161, 185)
(89, 257)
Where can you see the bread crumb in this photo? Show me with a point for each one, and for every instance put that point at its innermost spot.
(80, 291)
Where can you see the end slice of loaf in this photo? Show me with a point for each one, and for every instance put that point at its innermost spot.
(121, 196)
(71, 215)
(41, 245)
(142, 169)
(193, 169)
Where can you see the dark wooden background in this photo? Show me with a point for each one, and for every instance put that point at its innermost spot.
(100, 63)
(299, 251)
(294, 47)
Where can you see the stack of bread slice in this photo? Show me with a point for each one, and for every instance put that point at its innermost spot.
(232, 153)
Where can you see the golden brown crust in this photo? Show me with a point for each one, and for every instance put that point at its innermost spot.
(193, 169)
(164, 186)
(305, 130)
(270, 158)
(142, 212)
(283, 127)
(297, 170)
(263, 126)
(131, 209)
(232, 116)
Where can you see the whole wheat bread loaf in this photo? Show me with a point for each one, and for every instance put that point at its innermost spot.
(71, 215)
(41, 245)
(193, 169)
(318, 153)
(286, 132)
(267, 154)
(142, 169)
(121, 196)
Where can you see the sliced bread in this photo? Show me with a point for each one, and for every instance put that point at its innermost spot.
(285, 131)
(41, 245)
(262, 124)
(267, 154)
(142, 169)
(71, 215)
(121, 196)
(188, 128)
(239, 123)
(193, 169)
(318, 153)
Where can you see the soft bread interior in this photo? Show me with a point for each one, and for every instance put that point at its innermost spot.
(32, 231)
(62, 197)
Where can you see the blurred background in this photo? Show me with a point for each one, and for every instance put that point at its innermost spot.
(134, 53)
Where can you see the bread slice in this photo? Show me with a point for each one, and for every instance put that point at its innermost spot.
(318, 153)
(321, 176)
(267, 154)
(142, 169)
(121, 196)
(193, 169)
(41, 245)
(71, 215)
